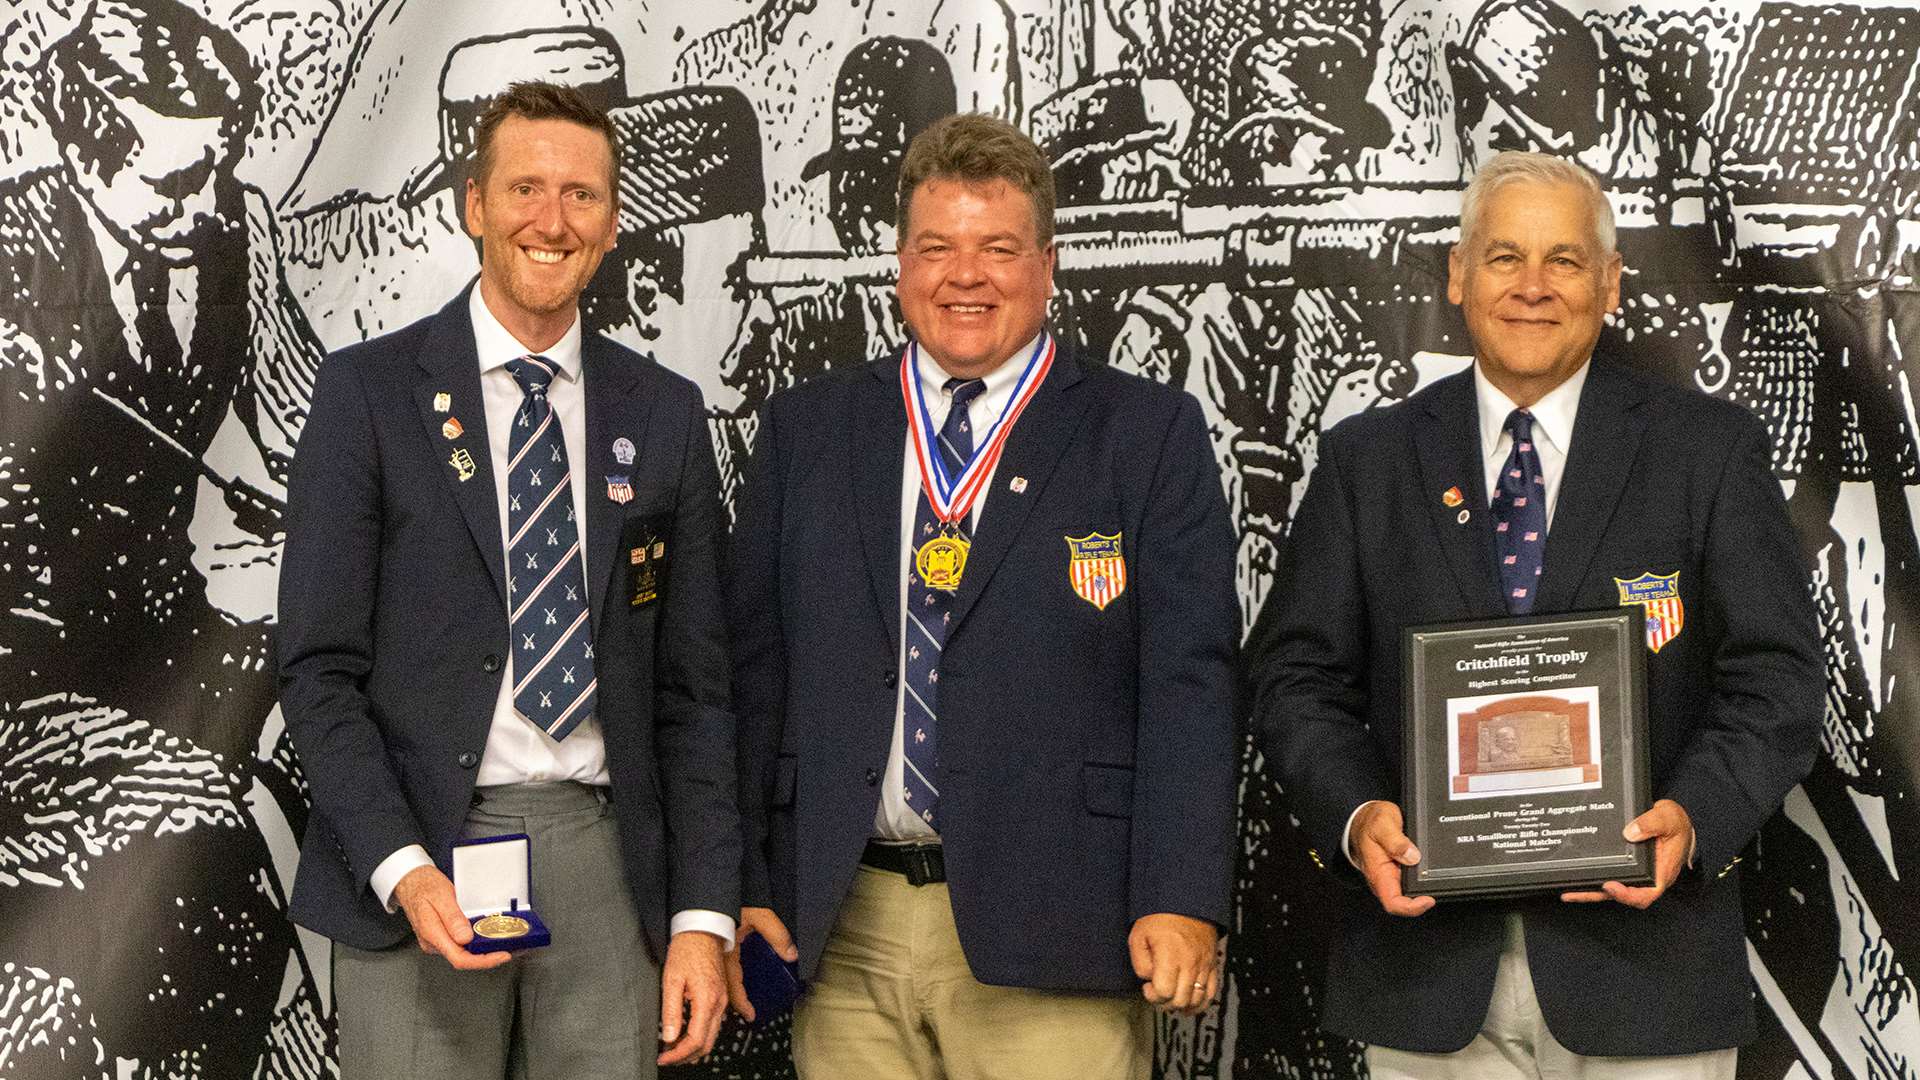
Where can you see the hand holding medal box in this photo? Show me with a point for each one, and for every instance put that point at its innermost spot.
(941, 559)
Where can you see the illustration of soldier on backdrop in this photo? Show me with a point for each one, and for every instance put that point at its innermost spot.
(888, 90)
(144, 277)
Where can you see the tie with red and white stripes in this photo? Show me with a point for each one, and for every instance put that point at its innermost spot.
(554, 684)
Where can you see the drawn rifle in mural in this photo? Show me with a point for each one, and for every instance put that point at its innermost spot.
(1243, 237)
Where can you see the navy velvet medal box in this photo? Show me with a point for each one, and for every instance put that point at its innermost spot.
(493, 876)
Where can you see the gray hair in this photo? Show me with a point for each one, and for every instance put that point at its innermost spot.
(1525, 166)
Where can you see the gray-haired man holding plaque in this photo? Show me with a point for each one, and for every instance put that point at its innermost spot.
(1544, 480)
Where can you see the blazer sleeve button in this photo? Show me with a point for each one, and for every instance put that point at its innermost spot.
(892, 679)
(491, 664)
(469, 759)
(873, 777)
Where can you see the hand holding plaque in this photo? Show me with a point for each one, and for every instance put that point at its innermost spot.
(1525, 756)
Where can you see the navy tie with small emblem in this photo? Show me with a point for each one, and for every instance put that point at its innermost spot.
(1520, 516)
(554, 684)
(928, 613)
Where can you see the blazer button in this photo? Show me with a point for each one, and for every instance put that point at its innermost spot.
(491, 664)
(892, 680)
(469, 759)
(873, 777)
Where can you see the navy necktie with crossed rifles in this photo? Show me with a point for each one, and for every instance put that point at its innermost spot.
(928, 612)
(554, 684)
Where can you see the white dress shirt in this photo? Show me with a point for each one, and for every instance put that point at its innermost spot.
(894, 820)
(517, 750)
(1553, 417)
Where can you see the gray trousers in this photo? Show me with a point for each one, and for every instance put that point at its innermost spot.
(584, 1007)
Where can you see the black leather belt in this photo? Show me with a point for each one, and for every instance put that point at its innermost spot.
(922, 864)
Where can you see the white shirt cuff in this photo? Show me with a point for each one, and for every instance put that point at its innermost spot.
(394, 867)
(711, 922)
(1346, 834)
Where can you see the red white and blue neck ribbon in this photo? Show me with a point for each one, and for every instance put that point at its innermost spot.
(952, 496)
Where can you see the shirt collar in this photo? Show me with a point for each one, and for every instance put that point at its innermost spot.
(1553, 414)
(497, 345)
(933, 377)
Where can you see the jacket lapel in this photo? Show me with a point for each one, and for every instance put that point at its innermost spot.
(1447, 446)
(1036, 445)
(1606, 439)
(614, 410)
(450, 365)
(878, 446)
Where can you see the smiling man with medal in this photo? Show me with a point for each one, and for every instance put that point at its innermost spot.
(984, 621)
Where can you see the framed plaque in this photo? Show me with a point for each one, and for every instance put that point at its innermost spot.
(1525, 754)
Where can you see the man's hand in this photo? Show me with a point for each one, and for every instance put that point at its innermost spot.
(1380, 848)
(1671, 830)
(762, 921)
(691, 982)
(439, 925)
(1174, 956)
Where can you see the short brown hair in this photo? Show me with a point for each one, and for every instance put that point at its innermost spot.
(975, 148)
(545, 101)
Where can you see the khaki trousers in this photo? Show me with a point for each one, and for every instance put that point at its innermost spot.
(1515, 1044)
(894, 1000)
(586, 1007)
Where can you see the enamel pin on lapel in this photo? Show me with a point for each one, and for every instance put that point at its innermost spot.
(619, 489)
(442, 401)
(462, 463)
(1018, 485)
(1452, 497)
(623, 450)
(452, 429)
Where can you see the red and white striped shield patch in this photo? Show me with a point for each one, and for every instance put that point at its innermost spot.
(1096, 568)
(1660, 595)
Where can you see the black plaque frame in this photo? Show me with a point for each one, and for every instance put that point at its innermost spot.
(1537, 805)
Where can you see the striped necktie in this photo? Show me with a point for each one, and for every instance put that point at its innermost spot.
(554, 683)
(928, 613)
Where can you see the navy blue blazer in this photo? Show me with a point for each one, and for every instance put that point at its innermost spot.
(1658, 479)
(1088, 756)
(393, 623)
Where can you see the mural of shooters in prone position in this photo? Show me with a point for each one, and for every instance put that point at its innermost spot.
(1266, 357)
(691, 195)
(889, 90)
(141, 272)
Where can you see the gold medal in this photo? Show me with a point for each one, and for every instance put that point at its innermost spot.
(501, 926)
(941, 560)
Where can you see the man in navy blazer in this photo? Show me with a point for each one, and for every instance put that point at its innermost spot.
(987, 751)
(1417, 514)
(500, 614)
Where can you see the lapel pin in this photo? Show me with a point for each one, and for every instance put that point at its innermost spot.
(1462, 519)
(1452, 496)
(451, 429)
(442, 401)
(1018, 485)
(619, 490)
(462, 463)
(623, 450)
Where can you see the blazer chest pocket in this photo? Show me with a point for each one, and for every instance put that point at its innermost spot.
(644, 551)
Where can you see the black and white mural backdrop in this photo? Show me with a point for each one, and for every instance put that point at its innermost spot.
(202, 197)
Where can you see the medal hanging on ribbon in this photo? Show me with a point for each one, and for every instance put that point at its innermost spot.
(943, 558)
